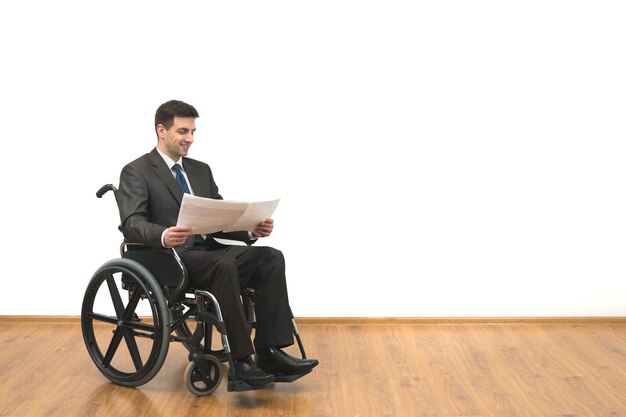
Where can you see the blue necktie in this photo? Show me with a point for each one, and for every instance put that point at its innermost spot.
(180, 179)
(182, 184)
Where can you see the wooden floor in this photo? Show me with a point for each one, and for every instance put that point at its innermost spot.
(371, 369)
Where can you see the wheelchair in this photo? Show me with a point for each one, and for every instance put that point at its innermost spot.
(135, 305)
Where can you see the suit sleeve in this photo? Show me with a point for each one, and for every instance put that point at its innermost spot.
(133, 200)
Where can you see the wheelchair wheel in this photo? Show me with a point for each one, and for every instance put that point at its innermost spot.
(200, 385)
(124, 322)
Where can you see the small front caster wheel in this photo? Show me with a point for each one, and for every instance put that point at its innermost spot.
(199, 384)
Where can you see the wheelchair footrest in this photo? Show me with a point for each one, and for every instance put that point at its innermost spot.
(240, 386)
(290, 378)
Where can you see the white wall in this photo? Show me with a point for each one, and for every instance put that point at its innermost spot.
(444, 158)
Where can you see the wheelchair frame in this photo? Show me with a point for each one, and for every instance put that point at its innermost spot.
(148, 278)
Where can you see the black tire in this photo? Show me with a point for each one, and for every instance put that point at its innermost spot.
(142, 322)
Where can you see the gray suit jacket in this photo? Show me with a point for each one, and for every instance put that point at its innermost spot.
(149, 199)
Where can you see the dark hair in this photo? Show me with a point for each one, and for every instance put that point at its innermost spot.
(174, 108)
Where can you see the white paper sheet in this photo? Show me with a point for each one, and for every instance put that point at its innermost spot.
(206, 215)
(254, 214)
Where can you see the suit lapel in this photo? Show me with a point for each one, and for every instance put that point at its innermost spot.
(195, 179)
(162, 171)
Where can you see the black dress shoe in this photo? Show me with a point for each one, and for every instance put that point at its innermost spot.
(248, 372)
(279, 363)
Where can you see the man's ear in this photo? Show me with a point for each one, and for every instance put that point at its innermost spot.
(161, 131)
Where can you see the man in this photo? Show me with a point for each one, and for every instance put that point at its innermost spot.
(149, 197)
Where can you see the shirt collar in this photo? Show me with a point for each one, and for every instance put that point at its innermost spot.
(170, 163)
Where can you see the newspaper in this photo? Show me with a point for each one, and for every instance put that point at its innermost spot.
(207, 215)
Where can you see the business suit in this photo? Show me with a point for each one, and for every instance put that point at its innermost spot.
(149, 201)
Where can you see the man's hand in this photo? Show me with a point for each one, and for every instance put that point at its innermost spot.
(176, 235)
(264, 228)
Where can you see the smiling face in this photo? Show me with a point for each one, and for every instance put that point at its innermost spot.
(175, 141)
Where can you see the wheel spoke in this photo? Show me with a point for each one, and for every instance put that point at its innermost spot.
(196, 376)
(131, 343)
(140, 326)
(115, 297)
(132, 304)
(123, 314)
(115, 343)
(101, 317)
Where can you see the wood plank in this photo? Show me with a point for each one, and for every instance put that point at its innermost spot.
(367, 369)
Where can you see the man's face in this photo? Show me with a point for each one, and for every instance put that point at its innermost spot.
(175, 141)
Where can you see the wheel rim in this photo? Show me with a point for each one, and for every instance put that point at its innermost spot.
(125, 332)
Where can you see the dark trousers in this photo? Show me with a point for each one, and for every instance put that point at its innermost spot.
(225, 272)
